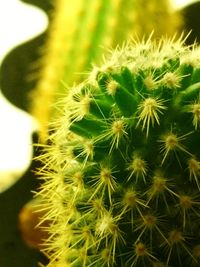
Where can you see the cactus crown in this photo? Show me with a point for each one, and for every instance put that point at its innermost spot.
(122, 172)
(79, 30)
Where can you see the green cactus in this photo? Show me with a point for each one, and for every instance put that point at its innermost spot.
(122, 170)
(78, 32)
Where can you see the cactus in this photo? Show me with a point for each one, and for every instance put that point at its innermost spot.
(122, 168)
(78, 32)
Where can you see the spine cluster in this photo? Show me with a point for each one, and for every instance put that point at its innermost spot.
(122, 171)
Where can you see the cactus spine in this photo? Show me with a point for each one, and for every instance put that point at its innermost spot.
(122, 172)
(79, 30)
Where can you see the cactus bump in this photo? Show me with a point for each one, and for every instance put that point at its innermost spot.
(122, 165)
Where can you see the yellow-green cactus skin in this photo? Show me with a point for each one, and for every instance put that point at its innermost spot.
(78, 32)
(122, 167)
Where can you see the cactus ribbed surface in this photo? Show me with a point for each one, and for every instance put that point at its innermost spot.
(122, 170)
(78, 32)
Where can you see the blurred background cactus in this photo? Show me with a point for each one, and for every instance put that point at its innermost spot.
(122, 171)
(79, 32)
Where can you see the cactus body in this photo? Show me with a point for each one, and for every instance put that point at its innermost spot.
(122, 173)
(78, 32)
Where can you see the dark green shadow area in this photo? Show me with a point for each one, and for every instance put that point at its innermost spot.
(13, 250)
(20, 63)
(191, 15)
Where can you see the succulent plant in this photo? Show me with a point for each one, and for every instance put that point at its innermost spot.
(122, 167)
(78, 32)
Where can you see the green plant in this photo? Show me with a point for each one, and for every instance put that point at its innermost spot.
(78, 32)
(122, 170)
